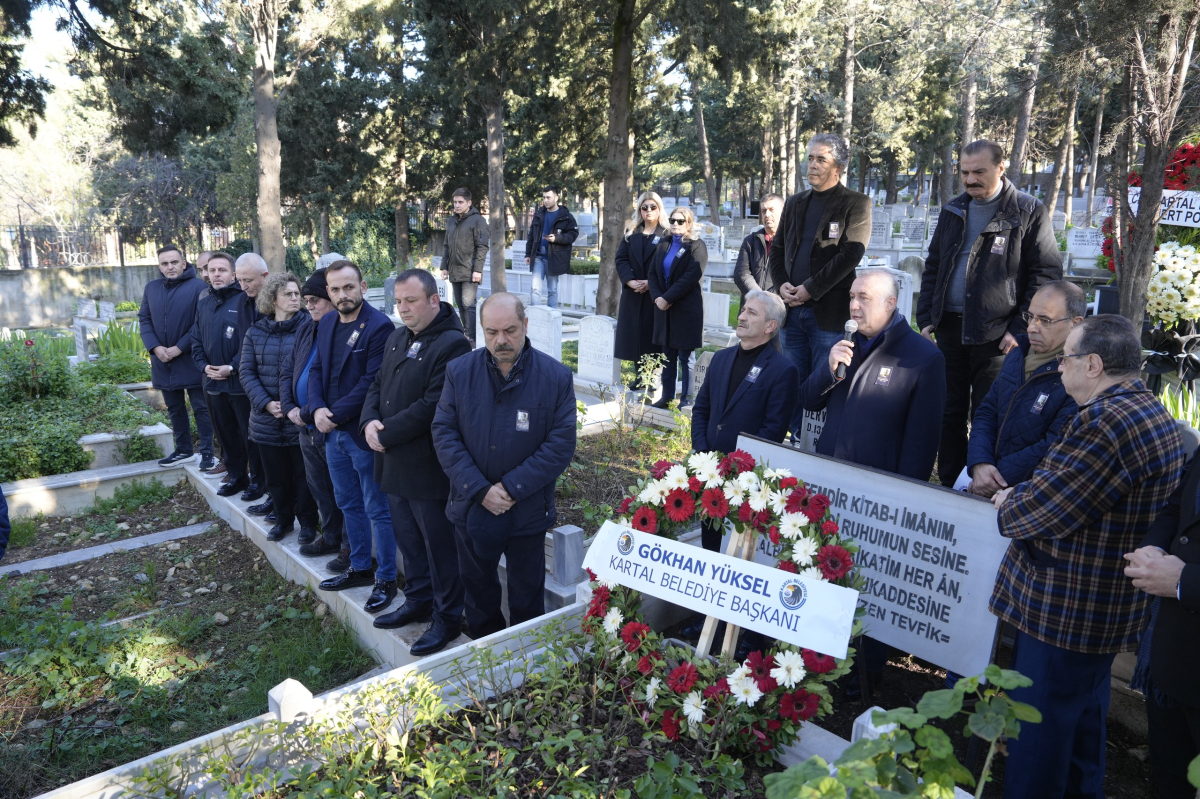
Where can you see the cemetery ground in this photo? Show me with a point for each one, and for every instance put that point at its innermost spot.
(136, 509)
(118, 657)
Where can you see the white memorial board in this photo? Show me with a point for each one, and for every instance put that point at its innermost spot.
(545, 330)
(518, 258)
(929, 555)
(814, 423)
(1178, 207)
(881, 231)
(445, 290)
(713, 238)
(807, 613)
(1084, 242)
(699, 371)
(596, 363)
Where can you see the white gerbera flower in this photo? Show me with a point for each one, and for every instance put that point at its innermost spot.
(746, 692)
(760, 499)
(812, 573)
(748, 481)
(733, 493)
(779, 502)
(702, 462)
(609, 584)
(740, 673)
(791, 525)
(776, 474)
(789, 669)
(612, 621)
(652, 690)
(803, 551)
(676, 477)
(655, 492)
(1162, 279)
(693, 707)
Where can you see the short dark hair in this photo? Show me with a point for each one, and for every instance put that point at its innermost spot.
(551, 187)
(168, 247)
(1115, 340)
(463, 192)
(343, 264)
(766, 198)
(423, 275)
(985, 145)
(218, 255)
(1072, 295)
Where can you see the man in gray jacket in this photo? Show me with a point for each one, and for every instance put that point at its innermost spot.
(462, 261)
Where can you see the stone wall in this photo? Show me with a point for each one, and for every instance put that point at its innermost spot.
(46, 297)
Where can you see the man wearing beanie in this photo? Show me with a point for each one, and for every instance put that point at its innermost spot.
(293, 384)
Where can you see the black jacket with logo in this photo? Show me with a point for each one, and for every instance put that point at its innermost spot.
(222, 319)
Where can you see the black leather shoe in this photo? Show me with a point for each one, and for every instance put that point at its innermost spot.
(272, 517)
(663, 403)
(687, 401)
(261, 509)
(252, 492)
(349, 579)
(307, 536)
(407, 613)
(381, 597)
(693, 628)
(231, 488)
(435, 639)
(277, 533)
(319, 547)
(341, 562)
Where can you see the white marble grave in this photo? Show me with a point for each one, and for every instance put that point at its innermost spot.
(699, 371)
(518, 257)
(545, 330)
(1085, 242)
(881, 231)
(86, 308)
(1059, 220)
(107, 311)
(716, 310)
(596, 339)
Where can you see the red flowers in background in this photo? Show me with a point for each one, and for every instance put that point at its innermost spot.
(760, 668)
(811, 505)
(670, 725)
(645, 519)
(623, 508)
(682, 678)
(817, 663)
(633, 634)
(679, 505)
(830, 527)
(660, 468)
(835, 562)
(799, 705)
(646, 663)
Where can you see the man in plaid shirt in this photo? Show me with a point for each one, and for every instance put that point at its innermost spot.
(1061, 583)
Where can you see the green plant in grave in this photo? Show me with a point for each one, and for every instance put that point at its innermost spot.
(121, 339)
(32, 371)
(116, 368)
(137, 448)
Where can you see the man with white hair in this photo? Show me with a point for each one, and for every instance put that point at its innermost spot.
(251, 271)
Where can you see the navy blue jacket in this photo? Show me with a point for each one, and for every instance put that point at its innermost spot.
(1018, 420)
(887, 412)
(222, 319)
(761, 404)
(265, 344)
(5, 525)
(165, 320)
(353, 367)
(520, 433)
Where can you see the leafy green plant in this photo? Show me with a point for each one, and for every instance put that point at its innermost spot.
(137, 448)
(130, 497)
(116, 368)
(668, 779)
(30, 370)
(120, 338)
(128, 305)
(1181, 404)
(24, 530)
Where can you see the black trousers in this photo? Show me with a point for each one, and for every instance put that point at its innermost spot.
(231, 422)
(1174, 732)
(425, 538)
(525, 558)
(284, 472)
(320, 486)
(181, 428)
(254, 462)
(464, 300)
(970, 371)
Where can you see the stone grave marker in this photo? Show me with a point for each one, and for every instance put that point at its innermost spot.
(445, 290)
(713, 238)
(545, 330)
(1084, 244)
(81, 349)
(1059, 220)
(913, 231)
(518, 258)
(933, 220)
(699, 371)
(716, 310)
(107, 311)
(1079, 218)
(86, 307)
(881, 232)
(596, 362)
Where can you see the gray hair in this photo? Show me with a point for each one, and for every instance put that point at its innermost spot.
(775, 310)
(265, 301)
(520, 306)
(1115, 340)
(328, 258)
(839, 146)
(1072, 296)
(252, 259)
(875, 271)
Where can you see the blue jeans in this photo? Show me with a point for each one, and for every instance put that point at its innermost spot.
(679, 362)
(1064, 755)
(544, 284)
(807, 345)
(363, 504)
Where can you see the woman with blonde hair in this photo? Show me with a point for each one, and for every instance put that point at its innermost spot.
(635, 314)
(678, 268)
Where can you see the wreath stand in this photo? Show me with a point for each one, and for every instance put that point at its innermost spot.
(741, 546)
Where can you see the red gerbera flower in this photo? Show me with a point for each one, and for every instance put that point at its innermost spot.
(633, 634)
(773, 534)
(797, 501)
(760, 666)
(645, 519)
(835, 562)
(788, 709)
(743, 459)
(682, 678)
(830, 527)
(623, 508)
(714, 504)
(659, 469)
(809, 704)
(670, 725)
(694, 484)
(680, 505)
(773, 725)
(646, 663)
(817, 505)
(786, 566)
(717, 690)
(761, 518)
(788, 482)
(817, 663)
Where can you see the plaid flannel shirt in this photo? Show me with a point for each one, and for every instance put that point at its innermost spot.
(1090, 501)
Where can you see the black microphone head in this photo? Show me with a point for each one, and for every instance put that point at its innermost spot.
(851, 326)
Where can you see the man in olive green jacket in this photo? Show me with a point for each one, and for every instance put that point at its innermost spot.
(462, 261)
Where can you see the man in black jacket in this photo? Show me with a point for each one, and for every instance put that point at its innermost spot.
(396, 421)
(993, 249)
(548, 246)
(165, 321)
(462, 259)
(752, 272)
(222, 319)
(823, 234)
(251, 271)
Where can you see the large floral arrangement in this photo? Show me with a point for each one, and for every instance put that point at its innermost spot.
(1183, 169)
(1174, 292)
(757, 705)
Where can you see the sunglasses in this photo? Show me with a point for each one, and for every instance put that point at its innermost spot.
(678, 221)
(650, 207)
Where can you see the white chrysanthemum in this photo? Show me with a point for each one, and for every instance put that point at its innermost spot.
(803, 551)
(812, 573)
(791, 525)
(693, 708)
(742, 672)
(1161, 280)
(776, 474)
(703, 462)
(655, 492)
(676, 477)
(733, 493)
(789, 669)
(652, 690)
(612, 621)
(748, 481)
(760, 499)
(746, 692)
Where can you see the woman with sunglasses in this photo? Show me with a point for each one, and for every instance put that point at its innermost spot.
(635, 256)
(679, 263)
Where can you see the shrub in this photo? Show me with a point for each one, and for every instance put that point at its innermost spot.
(128, 305)
(138, 448)
(121, 339)
(119, 367)
(30, 371)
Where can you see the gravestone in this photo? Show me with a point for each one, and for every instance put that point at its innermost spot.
(913, 231)
(1059, 220)
(1085, 243)
(703, 361)
(86, 307)
(596, 362)
(814, 423)
(713, 238)
(518, 257)
(81, 349)
(445, 291)
(545, 330)
(933, 220)
(881, 232)
(1079, 218)
(716, 310)
(107, 311)
(388, 306)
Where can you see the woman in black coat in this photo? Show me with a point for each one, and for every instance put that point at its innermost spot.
(278, 441)
(635, 314)
(678, 268)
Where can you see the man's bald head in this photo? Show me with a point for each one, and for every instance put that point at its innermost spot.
(251, 271)
(502, 317)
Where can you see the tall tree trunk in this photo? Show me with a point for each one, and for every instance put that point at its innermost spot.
(265, 30)
(920, 184)
(864, 164)
(1060, 157)
(946, 188)
(786, 165)
(1091, 193)
(710, 186)
(793, 147)
(1069, 176)
(618, 155)
(890, 198)
(968, 127)
(1028, 90)
(768, 160)
(850, 57)
(325, 229)
(494, 113)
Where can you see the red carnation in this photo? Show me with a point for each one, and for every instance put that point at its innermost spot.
(817, 663)
(645, 519)
(788, 482)
(717, 690)
(679, 505)
(786, 566)
(714, 503)
(695, 485)
(670, 725)
(830, 527)
(623, 508)
(760, 666)
(659, 469)
(773, 534)
(633, 634)
(646, 664)
(835, 562)
(682, 678)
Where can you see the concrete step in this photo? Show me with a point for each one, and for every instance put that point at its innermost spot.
(89, 553)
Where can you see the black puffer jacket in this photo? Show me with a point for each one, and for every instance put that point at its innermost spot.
(263, 351)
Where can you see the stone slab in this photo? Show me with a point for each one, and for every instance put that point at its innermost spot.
(99, 551)
(597, 335)
(545, 330)
(66, 494)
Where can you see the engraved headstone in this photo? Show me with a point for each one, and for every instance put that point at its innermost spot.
(86, 307)
(545, 330)
(716, 310)
(596, 362)
(881, 231)
(699, 371)
(913, 231)
(713, 238)
(107, 311)
(1085, 242)
(518, 257)
(1059, 220)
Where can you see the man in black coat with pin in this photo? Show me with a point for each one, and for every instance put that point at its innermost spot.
(396, 419)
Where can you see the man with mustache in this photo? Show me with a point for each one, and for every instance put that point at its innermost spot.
(994, 248)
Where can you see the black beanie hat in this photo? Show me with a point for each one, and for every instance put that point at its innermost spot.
(315, 286)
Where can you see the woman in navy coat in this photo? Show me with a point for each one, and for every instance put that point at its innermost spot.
(678, 268)
(635, 256)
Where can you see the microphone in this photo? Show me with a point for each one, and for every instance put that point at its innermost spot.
(851, 329)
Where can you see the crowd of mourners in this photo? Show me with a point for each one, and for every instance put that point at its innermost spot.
(405, 443)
